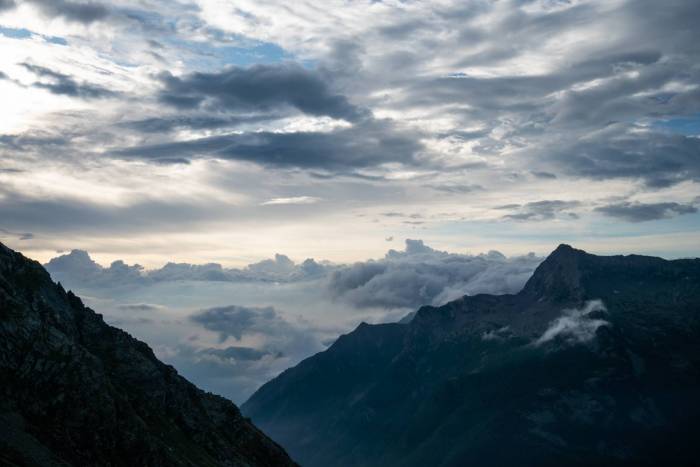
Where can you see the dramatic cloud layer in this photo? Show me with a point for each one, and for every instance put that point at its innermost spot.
(421, 275)
(232, 329)
(220, 127)
(78, 268)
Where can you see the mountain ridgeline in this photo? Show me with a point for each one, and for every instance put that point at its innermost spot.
(77, 392)
(595, 362)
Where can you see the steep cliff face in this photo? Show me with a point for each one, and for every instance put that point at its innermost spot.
(75, 391)
(595, 362)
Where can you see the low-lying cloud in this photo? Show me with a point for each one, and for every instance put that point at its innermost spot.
(420, 275)
(232, 329)
(77, 267)
(575, 325)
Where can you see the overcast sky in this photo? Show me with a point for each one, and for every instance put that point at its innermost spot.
(227, 131)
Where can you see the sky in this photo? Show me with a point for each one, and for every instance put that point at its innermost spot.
(227, 131)
(148, 132)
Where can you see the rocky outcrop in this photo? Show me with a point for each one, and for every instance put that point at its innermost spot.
(75, 391)
(595, 362)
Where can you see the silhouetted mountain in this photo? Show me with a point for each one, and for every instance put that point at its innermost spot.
(75, 391)
(595, 362)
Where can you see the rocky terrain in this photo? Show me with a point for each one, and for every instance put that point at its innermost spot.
(75, 391)
(595, 362)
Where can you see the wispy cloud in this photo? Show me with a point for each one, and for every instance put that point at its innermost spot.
(576, 325)
(292, 200)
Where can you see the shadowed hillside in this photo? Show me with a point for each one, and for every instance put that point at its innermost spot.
(75, 391)
(595, 361)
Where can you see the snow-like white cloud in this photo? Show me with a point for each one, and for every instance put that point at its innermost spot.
(576, 325)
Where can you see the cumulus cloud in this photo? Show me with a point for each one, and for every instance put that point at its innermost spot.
(641, 212)
(576, 325)
(78, 269)
(420, 275)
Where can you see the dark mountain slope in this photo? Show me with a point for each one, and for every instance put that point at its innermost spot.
(595, 361)
(75, 391)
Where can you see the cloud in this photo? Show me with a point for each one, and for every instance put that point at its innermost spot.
(417, 276)
(420, 275)
(658, 159)
(279, 336)
(541, 210)
(7, 5)
(368, 144)
(258, 88)
(292, 200)
(234, 321)
(61, 84)
(576, 325)
(546, 175)
(237, 354)
(456, 189)
(234, 372)
(19, 235)
(196, 122)
(85, 12)
(61, 215)
(140, 307)
(641, 212)
(78, 269)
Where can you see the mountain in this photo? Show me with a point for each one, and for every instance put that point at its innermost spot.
(595, 362)
(75, 391)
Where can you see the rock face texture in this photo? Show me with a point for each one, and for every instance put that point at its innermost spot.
(77, 392)
(595, 362)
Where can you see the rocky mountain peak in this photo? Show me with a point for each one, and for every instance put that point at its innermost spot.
(595, 362)
(76, 391)
(558, 278)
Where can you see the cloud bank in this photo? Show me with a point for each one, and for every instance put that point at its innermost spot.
(420, 275)
(232, 329)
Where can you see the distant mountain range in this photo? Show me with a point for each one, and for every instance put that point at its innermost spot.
(77, 392)
(595, 362)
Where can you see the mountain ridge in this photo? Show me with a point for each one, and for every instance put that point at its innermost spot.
(77, 391)
(584, 348)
